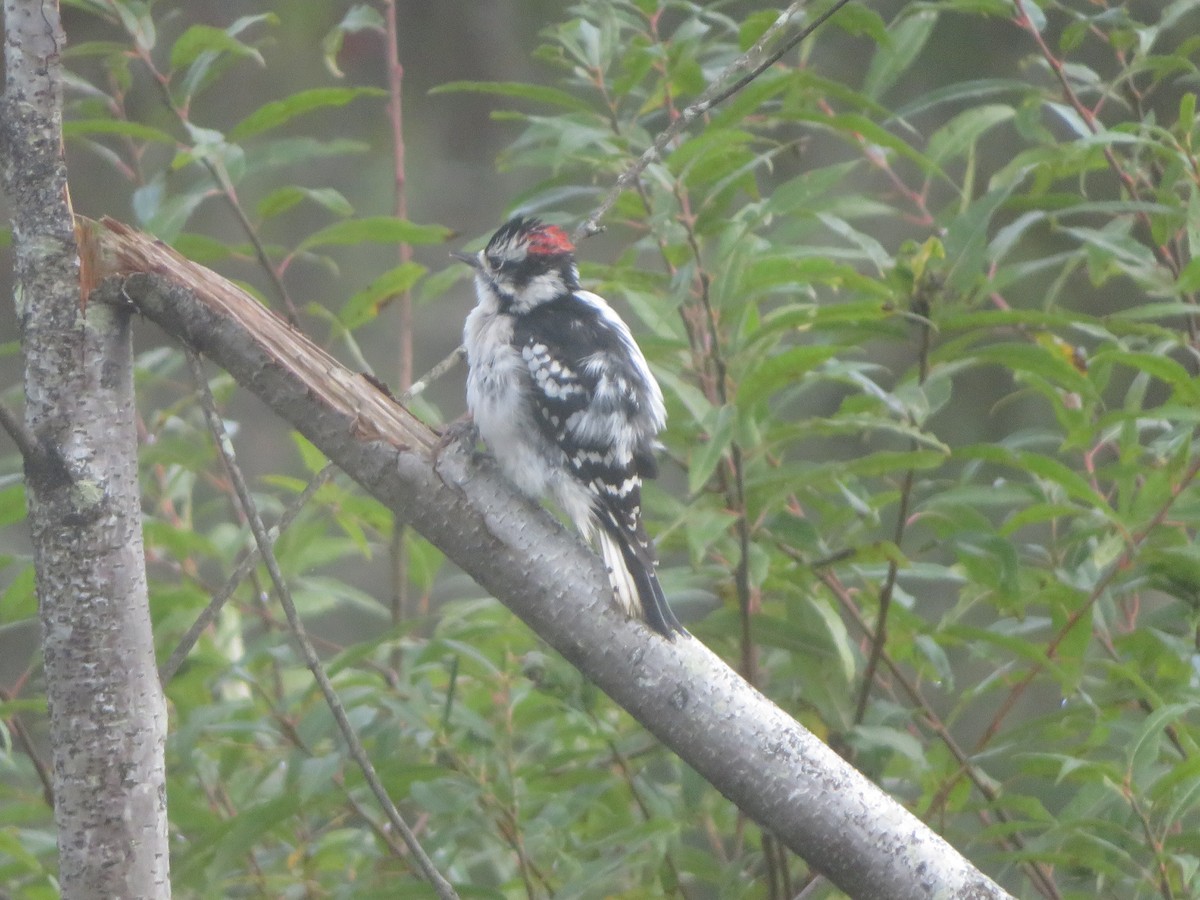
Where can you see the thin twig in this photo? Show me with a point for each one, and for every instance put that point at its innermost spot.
(25, 441)
(816, 882)
(381, 832)
(741, 575)
(735, 492)
(887, 591)
(395, 73)
(1153, 842)
(249, 560)
(37, 456)
(23, 737)
(398, 546)
(229, 192)
(311, 659)
(418, 387)
(712, 96)
(708, 349)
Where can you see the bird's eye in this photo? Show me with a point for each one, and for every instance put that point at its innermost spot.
(501, 265)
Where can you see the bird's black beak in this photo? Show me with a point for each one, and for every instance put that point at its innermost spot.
(471, 259)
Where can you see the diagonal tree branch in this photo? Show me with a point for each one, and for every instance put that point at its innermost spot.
(746, 747)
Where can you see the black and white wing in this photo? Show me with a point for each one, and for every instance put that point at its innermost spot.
(594, 398)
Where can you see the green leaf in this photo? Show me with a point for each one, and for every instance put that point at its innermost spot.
(364, 305)
(839, 637)
(891, 60)
(959, 135)
(254, 821)
(314, 460)
(18, 603)
(871, 249)
(1020, 644)
(280, 201)
(200, 39)
(536, 93)
(378, 230)
(10, 708)
(1187, 114)
(754, 26)
(966, 239)
(704, 461)
(771, 272)
(692, 398)
(711, 154)
(205, 250)
(278, 112)
(136, 130)
(782, 369)
(859, 20)
(1072, 484)
(1113, 246)
(861, 425)
(12, 504)
(1165, 369)
(179, 543)
(1034, 359)
(704, 526)
(1193, 222)
(855, 128)
(360, 17)
(866, 738)
(889, 462)
(291, 151)
(284, 198)
(972, 91)
(424, 562)
(165, 215)
(211, 146)
(802, 192)
(985, 319)
(1145, 748)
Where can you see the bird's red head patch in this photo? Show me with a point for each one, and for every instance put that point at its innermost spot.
(548, 240)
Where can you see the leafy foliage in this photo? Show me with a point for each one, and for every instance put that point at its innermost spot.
(929, 344)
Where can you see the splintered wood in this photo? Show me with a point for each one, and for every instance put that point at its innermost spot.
(225, 312)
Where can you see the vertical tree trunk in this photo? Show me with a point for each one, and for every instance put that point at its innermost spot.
(107, 714)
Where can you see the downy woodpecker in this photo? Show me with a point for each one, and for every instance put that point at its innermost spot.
(563, 397)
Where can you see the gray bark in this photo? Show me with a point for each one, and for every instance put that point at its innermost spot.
(749, 749)
(107, 713)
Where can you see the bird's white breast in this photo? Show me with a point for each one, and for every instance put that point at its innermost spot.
(496, 398)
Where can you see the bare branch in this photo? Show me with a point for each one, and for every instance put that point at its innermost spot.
(41, 462)
(401, 600)
(26, 443)
(243, 569)
(449, 362)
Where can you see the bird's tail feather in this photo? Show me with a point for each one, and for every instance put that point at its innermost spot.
(624, 587)
(635, 584)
